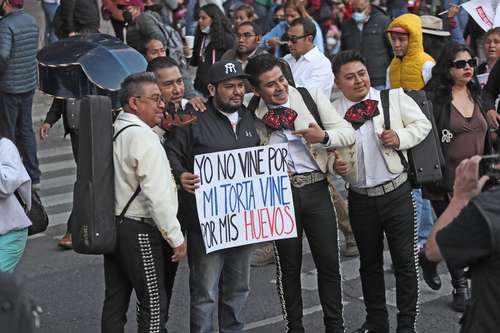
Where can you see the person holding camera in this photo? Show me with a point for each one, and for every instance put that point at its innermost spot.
(463, 132)
(467, 234)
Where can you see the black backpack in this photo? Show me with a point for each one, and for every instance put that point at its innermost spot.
(425, 159)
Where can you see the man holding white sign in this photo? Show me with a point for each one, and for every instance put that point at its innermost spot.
(285, 115)
(224, 126)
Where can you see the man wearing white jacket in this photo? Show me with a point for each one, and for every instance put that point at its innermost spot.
(380, 199)
(149, 238)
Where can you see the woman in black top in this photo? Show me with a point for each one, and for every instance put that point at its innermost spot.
(463, 131)
(213, 37)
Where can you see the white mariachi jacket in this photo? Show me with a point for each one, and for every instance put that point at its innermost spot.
(407, 120)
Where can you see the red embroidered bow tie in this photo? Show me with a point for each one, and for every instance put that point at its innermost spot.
(280, 118)
(361, 112)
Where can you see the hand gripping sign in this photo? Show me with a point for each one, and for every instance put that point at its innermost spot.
(244, 197)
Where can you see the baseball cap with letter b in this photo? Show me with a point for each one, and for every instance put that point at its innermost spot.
(224, 70)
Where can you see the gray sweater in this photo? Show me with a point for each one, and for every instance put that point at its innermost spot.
(18, 49)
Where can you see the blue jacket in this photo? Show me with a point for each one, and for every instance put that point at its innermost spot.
(18, 49)
(280, 29)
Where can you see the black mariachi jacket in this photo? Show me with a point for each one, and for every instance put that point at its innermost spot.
(211, 133)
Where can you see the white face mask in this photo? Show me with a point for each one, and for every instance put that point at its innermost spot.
(330, 41)
(206, 30)
(359, 17)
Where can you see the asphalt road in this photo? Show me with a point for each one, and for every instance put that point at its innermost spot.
(70, 287)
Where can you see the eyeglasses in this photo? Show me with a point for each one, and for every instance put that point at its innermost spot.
(462, 63)
(245, 35)
(158, 99)
(294, 39)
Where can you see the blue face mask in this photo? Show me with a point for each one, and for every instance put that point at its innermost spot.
(359, 17)
(206, 30)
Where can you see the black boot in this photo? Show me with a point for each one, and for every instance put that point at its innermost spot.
(429, 271)
(460, 289)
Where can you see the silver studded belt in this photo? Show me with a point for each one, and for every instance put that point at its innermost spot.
(382, 189)
(302, 179)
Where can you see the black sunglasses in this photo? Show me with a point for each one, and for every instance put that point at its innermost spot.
(462, 63)
(294, 39)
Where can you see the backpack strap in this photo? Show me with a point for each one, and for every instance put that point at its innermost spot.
(311, 105)
(253, 104)
(122, 129)
(138, 189)
(384, 97)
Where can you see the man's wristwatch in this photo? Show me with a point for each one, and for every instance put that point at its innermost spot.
(326, 138)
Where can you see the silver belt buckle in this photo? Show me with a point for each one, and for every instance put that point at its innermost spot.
(299, 181)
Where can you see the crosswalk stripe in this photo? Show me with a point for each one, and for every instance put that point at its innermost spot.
(57, 219)
(57, 199)
(57, 166)
(53, 152)
(50, 183)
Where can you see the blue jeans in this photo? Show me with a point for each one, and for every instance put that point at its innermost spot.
(457, 34)
(16, 124)
(190, 21)
(49, 9)
(219, 278)
(425, 219)
(12, 246)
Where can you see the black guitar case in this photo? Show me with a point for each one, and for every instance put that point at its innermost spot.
(93, 225)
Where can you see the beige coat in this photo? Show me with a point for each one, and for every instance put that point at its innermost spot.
(340, 131)
(407, 120)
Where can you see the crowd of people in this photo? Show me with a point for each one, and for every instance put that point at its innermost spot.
(316, 75)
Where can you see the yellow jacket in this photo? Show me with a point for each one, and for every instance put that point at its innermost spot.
(407, 72)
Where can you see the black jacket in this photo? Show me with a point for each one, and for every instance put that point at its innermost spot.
(79, 16)
(211, 55)
(211, 133)
(492, 88)
(372, 43)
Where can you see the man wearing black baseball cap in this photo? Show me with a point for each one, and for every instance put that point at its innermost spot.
(225, 125)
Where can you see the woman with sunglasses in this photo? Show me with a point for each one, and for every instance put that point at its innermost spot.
(455, 93)
(274, 38)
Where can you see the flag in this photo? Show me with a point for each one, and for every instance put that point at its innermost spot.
(482, 12)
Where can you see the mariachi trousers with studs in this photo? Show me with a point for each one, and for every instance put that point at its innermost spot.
(140, 262)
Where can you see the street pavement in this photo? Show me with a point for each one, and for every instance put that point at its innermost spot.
(70, 287)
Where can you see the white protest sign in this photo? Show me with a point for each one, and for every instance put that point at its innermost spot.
(244, 197)
(483, 78)
(482, 12)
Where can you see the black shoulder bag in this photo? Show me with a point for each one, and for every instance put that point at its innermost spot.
(425, 159)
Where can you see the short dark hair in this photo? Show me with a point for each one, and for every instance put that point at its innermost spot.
(307, 24)
(256, 29)
(132, 85)
(161, 63)
(345, 57)
(249, 11)
(258, 65)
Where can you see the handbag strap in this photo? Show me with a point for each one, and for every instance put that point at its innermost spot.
(138, 189)
(384, 97)
(21, 201)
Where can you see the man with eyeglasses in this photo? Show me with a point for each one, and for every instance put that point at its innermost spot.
(220, 277)
(150, 242)
(247, 40)
(310, 67)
